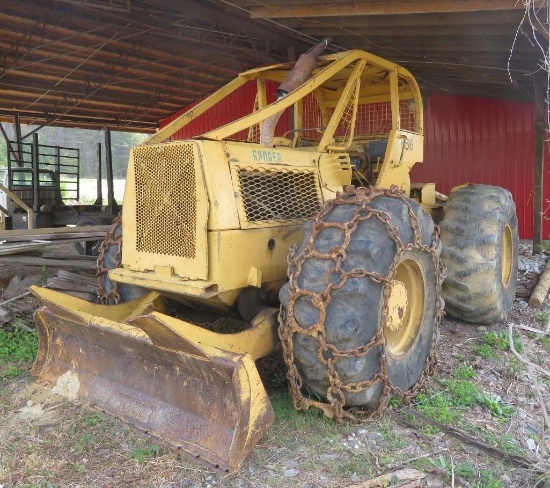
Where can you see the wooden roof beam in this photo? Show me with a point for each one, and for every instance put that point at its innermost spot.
(383, 7)
(77, 121)
(233, 22)
(426, 20)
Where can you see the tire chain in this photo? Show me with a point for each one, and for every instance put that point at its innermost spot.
(288, 326)
(112, 297)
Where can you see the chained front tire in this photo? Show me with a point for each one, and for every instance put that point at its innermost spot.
(479, 233)
(109, 257)
(360, 312)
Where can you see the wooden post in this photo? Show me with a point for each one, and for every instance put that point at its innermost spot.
(99, 199)
(111, 204)
(18, 139)
(35, 173)
(538, 163)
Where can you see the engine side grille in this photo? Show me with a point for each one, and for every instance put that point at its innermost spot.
(278, 195)
(166, 200)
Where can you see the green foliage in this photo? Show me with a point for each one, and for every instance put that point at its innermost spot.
(83, 443)
(500, 340)
(298, 420)
(457, 396)
(467, 472)
(463, 470)
(448, 405)
(142, 454)
(358, 464)
(542, 316)
(17, 346)
(495, 405)
(85, 140)
(488, 479)
(465, 372)
(492, 342)
(545, 341)
(514, 367)
(484, 351)
(437, 407)
(93, 419)
(11, 371)
(461, 393)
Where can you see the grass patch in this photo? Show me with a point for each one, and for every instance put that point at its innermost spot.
(505, 442)
(500, 341)
(17, 348)
(143, 454)
(484, 351)
(463, 470)
(461, 393)
(542, 316)
(488, 479)
(465, 372)
(467, 472)
(298, 420)
(437, 407)
(493, 342)
(448, 406)
(357, 464)
(496, 406)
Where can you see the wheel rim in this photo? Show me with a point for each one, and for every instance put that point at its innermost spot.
(405, 306)
(506, 259)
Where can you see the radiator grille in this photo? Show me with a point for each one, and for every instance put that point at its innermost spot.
(166, 200)
(278, 195)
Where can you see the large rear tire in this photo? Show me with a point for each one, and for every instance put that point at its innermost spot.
(362, 305)
(479, 233)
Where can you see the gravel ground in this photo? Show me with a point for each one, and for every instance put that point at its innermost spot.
(497, 438)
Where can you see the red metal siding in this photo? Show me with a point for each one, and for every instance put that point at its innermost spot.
(467, 139)
(233, 107)
(479, 140)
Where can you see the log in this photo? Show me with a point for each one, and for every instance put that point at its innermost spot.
(526, 284)
(541, 290)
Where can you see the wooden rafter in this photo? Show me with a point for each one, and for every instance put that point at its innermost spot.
(383, 7)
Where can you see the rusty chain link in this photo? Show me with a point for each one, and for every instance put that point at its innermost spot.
(113, 296)
(289, 327)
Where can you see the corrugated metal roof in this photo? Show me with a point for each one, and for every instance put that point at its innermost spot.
(129, 64)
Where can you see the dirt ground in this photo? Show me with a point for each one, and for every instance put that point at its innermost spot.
(479, 423)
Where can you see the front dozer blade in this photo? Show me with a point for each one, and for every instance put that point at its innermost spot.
(204, 400)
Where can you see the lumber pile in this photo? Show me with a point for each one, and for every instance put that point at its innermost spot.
(78, 262)
(80, 285)
(32, 240)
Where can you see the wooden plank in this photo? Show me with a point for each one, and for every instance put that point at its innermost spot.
(67, 255)
(98, 231)
(395, 7)
(17, 248)
(58, 284)
(77, 277)
(52, 263)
